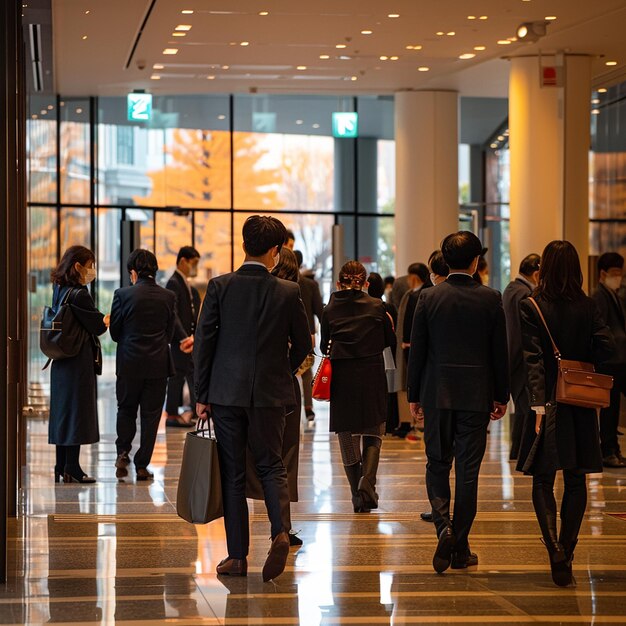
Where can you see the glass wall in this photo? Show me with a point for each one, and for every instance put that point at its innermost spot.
(194, 172)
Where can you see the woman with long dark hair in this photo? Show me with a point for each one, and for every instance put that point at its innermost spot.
(357, 328)
(73, 408)
(558, 436)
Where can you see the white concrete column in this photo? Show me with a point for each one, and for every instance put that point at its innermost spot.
(549, 144)
(427, 180)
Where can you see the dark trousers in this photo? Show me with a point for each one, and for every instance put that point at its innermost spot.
(147, 395)
(175, 384)
(307, 388)
(262, 428)
(522, 408)
(609, 417)
(573, 506)
(460, 436)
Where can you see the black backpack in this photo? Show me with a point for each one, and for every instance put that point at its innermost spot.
(61, 334)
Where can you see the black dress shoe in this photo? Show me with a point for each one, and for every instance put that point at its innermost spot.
(613, 461)
(144, 474)
(462, 560)
(70, 478)
(427, 517)
(443, 553)
(121, 465)
(294, 540)
(560, 565)
(232, 567)
(276, 557)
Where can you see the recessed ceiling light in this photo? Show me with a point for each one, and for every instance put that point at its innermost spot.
(451, 33)
(79, 110)
(383, 58)
(503, 42)
(324, 56)
(439, 33)
(340, 46)
(366, 32)
(354, 78)
(316, 125)
(423, 68)
(87, 12)
(34, 116)
(467, 55)
(221, 117)
(84, 37)
(344, 57)
(602, 90)
(244, 43)
(210, 77)
(611, 63)
(158, 66)
(179, 34)
(170, 51)
(183, 27)
(471, 17)
(394, 58)
(483, 17)
(393, 15)
(50, 107)
(595, 112)
(494, 145)
(550, 18)
(264, 13)
(595, 101)
(155, 77)
(43, 112)
(187, 12)
(500, 137)
(225, 67)
(301, 67)
(480, 48)
(413, 47)
(512, 39)
(299, 122)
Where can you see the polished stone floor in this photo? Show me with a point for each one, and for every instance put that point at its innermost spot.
(116, 553)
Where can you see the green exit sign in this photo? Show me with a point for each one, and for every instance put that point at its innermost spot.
(345, 125)
(139, 107)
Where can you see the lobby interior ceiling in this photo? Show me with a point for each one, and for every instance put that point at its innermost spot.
(332, 47)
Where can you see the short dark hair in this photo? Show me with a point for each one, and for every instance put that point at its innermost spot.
(438, 264)
(287, 267)
(530, 264)
(187, 252)
(419, 270)
(560, 276)
(460, 249)
(389, 280)
(143, 262)
(376, 288)
(609, 260)
(261, 233)
(299, 257)
(65, 273)
(289, 235)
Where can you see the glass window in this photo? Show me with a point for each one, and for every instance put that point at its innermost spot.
(75, 227)
(41, 142)
(75, 151)
(213, 240)
(172, 232)
(125, 145)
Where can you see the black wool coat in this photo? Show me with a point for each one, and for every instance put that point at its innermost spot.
(187, 311)
(73, 405)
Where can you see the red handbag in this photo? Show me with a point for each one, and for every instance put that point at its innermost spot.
(321, 382)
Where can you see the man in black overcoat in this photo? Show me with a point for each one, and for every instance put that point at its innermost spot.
(458, 374)
(516, 291)
(610, 273)
(142, 323)
(187, 310)
(252, 335)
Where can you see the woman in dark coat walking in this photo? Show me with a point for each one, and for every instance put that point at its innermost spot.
(560, 436)
(357, 328)
(73, 408)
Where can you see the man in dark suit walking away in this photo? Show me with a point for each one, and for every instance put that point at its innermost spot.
(142, 324)
(516, 291)
(187, 309)
(252, 335)
(458, 374)
(610, 274)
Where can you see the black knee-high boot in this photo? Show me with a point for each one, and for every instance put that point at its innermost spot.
(354, 473)
(367, 484)
(59, 465)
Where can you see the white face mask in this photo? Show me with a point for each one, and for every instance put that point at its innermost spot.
(90, 275)
(613, 282)
(193, 271)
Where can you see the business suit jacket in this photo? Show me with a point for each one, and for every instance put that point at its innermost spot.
(252, 336)
(612, 312)
(458, 359)
(516, 291)
(142, 323)
(187, 310)
(572, 440)
(312, 299)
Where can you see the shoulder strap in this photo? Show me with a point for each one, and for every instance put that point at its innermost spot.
(557, 352)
